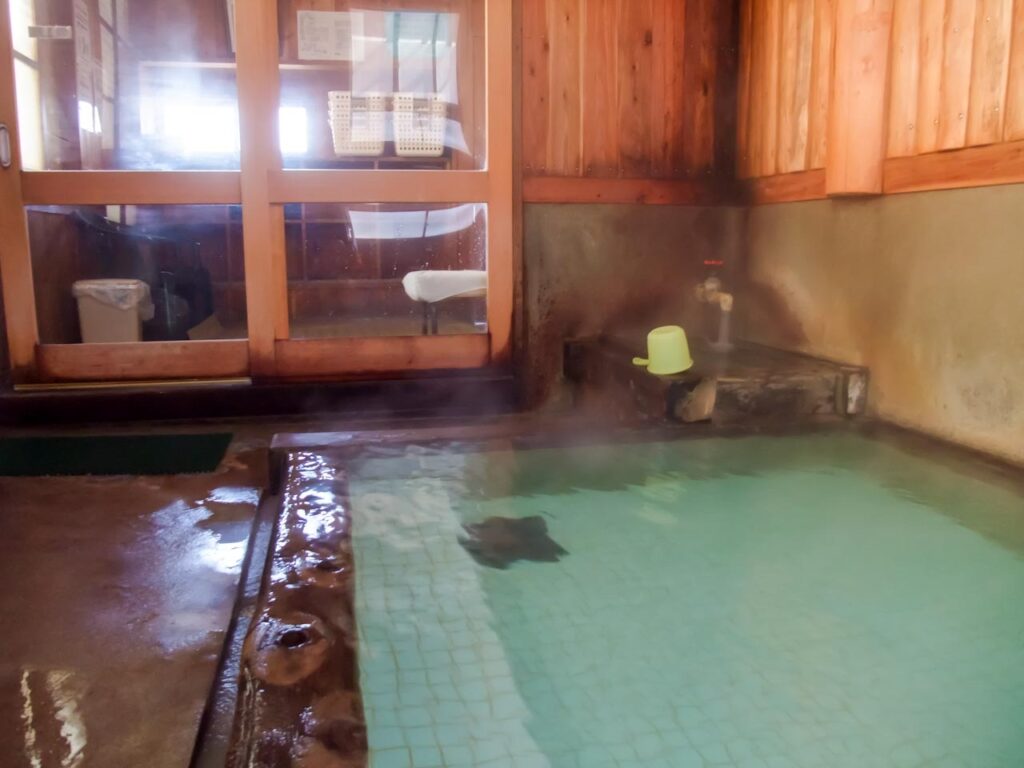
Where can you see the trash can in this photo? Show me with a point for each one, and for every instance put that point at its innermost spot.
(111, 311)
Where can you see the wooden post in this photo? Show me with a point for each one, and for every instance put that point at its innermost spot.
(856, 126)
(262, 223)
(15, 258)
(500, 231)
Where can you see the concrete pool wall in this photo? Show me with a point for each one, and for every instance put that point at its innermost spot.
(924, 289)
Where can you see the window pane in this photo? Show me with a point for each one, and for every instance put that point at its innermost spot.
(383, 88)
(30, 127)
(138, 273)
(140, 85)
(386, 270)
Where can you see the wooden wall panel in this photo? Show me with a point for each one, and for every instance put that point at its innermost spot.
(955, 80)
(700, 63)
(857, 112)
(1013, 129)
(989, 72)
(635, 67)
(667, 116)
(601, 105)
(564, 149)
(744, 89)
(957, 54)
(929, 94)
(627, 88)
(535, 106)
(952, 83)
(757, 91)
(771, 52)
(795, 83)
(786, 52)
(821, 82)
(904, 77)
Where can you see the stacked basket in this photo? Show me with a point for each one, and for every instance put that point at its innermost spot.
(421, 123)
(357, 123)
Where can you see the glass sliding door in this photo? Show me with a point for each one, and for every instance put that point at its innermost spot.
(275, 188)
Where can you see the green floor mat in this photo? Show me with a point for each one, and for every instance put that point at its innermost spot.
(112, 455)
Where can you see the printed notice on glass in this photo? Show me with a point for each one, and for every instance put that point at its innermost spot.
(331, 36)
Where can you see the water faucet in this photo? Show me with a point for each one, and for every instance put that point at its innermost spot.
(710, 292)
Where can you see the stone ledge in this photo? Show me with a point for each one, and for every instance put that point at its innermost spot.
(751, 384)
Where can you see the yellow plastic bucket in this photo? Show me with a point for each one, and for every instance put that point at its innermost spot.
(668, 351)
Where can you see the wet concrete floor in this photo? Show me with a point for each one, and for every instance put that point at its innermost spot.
(116, 595)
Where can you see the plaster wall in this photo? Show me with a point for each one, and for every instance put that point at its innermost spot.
(927, 290)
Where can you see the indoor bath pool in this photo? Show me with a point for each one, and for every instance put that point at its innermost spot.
(823, 600)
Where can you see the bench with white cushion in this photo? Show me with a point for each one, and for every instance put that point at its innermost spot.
(431, 287)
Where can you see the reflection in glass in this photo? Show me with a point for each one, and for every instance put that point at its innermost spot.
(386, 270)
(137, 273)
(384, 88)
(125, 85)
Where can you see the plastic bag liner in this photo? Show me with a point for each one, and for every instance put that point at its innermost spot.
(123, 294)
(437, 285)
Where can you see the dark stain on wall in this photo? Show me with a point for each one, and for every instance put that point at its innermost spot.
(593, 270)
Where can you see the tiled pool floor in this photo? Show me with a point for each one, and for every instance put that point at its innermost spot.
(807, 601)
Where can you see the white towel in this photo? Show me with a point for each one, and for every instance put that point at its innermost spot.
(433, 286)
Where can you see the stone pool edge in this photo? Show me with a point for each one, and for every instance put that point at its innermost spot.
(299, 702)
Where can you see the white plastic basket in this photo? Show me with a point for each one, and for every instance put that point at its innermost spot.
(421, 123)
(357, 123)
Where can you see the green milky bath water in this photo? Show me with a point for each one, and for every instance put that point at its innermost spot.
(814, 601)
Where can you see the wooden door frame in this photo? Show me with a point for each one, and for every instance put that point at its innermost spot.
(262, 187)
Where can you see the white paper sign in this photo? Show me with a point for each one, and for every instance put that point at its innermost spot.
(330, 36)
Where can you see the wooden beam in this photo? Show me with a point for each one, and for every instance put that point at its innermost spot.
(971, 167)
(785, 188)
(551, 189)
(15, 259)
(132, 187)
(144, 361)
(316, 358)
(500, 230)
(372, 186)
(262, 224)
(857, 130)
